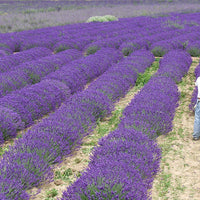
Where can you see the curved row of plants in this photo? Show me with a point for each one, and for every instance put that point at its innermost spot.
(9, 62)
(32, 72)
(32, 102)
(162, 43)
(125, 162)
(186, 41)
(29, 160)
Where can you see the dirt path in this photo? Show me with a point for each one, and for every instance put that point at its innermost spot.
(179, 176)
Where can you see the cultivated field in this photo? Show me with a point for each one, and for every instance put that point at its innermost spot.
(98, 110)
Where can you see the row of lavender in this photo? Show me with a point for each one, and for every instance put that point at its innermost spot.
(28, 73)
(164, 42)
(20, 108)
(29, 160)
(9, 62)
(79, 35)
(48, 37)
(125, 162)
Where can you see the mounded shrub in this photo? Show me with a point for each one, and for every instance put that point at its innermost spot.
(105, 18)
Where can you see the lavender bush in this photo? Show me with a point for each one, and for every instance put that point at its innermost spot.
(121, 168)
(79, 44)
(193, 48)
(9, 62)
(31, 103)
(32, 72)
(160, 48)
(78, 73)
(8, 43)
(119, 78)
(175, 64)
(10, 123)
(2, 53)
(49, 37)
(105, 18)
(150, 114)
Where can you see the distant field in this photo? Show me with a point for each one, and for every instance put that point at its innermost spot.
(25, 15)
(98, 110)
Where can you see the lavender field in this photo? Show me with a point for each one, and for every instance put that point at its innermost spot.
(60, 77)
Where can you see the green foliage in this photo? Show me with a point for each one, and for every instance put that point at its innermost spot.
(65, 176)
(52, 193)
(34, 78)
(92, 50)
(144, 78)
(42, 10)
(175, 23)
(105, 18)
(61, 48)
(158, 51)
(108, 190)
(165, 183)
(194, 51)
(110, 18)
(185, 44)
(1, 151)
(126, 51)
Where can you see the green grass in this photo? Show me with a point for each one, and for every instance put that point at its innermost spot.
(51, 194)
(51, 9)
(164, 185)
(64, 175)
(3, 150)
(144, 78)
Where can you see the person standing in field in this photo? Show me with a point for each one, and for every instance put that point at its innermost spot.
(196, 133)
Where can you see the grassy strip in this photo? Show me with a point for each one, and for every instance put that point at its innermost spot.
(73, 166)
(169, 184)
(51, 9)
